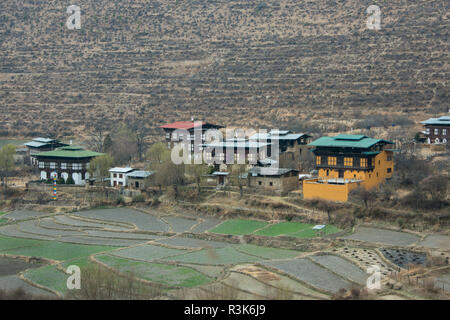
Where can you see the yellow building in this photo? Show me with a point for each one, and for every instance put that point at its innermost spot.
(345, 162)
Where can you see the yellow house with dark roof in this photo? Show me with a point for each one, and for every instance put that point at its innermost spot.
(346, 162)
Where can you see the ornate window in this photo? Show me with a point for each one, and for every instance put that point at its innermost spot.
(318, 160)
(363, 162)
(348, 162)
(332, 161)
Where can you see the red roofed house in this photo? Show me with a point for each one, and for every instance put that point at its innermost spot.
(172, 137)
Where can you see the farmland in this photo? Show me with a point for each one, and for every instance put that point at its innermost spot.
(295, 229)
(173, 252)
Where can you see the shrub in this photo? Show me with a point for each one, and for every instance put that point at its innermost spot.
(138, 198)
(61, 181)
(70, 180)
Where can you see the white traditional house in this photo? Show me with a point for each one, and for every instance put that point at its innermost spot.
(119, 176)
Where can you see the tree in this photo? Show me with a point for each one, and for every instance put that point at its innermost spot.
(237, 171)
(364, 195)
(97, 132)
(141, 131)
(99, 167)
(6, 162)
(166, 173)
(156, 153)
(124, 146)
(328, 207)
(197, 171)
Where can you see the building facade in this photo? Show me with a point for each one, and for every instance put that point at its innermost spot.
(118, 176)
(65, 162)
(437, 130)
(346, 162)
(279, 180)
(173, 135)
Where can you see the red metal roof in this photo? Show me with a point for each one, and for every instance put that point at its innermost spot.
(181, 125)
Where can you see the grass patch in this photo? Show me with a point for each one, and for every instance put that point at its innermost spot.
(268, 253)
(156, 272)
(49, 277)
(3, 220)
(282, 228)
(239, 227)
(48, 249)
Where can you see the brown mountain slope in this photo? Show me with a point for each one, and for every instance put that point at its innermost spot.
(240, 62)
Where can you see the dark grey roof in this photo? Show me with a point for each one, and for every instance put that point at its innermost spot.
(268, 171)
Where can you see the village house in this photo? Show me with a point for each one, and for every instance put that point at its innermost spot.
(345, 162)
(118, 176)
(293, 147)
(174, 137)
(277, 180)
(38, 145)
(241, 151)
(139, 179)
(437, 130)
(64, 162)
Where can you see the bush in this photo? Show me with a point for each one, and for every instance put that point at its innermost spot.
(120, 200)
(70, 180)
(61, 181)
(138, 198)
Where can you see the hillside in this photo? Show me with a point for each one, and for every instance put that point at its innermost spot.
(237, 62)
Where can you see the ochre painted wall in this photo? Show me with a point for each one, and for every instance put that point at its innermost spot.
(333, 192)
(370, 179)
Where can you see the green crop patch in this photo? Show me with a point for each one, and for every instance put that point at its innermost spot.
(49, 277)
(267, 253)
(47, 249)
(282, 228)
(155, 272)
(239, 227)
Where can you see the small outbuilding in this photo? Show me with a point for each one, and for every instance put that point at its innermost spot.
(139, 179)
(278, 180)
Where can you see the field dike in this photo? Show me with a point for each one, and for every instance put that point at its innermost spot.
(30, 282)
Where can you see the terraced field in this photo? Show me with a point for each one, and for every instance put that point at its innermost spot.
(160, 273)
(153, 248)
(239, 227)
(293, 229)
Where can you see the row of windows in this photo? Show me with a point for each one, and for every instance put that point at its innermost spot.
(63, 165)
(436, 131)
(177, 137)
(348, 162)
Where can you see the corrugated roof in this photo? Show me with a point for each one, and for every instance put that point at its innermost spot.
(121, 169)
(182, 125)
(45, 140)
(35, 144)
(139, 174)
(288, 136)
(268, 171)
(347, 141)
(444, 120)
(69, 152)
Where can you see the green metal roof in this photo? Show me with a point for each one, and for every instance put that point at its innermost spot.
(69, 152)
(347, 141)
